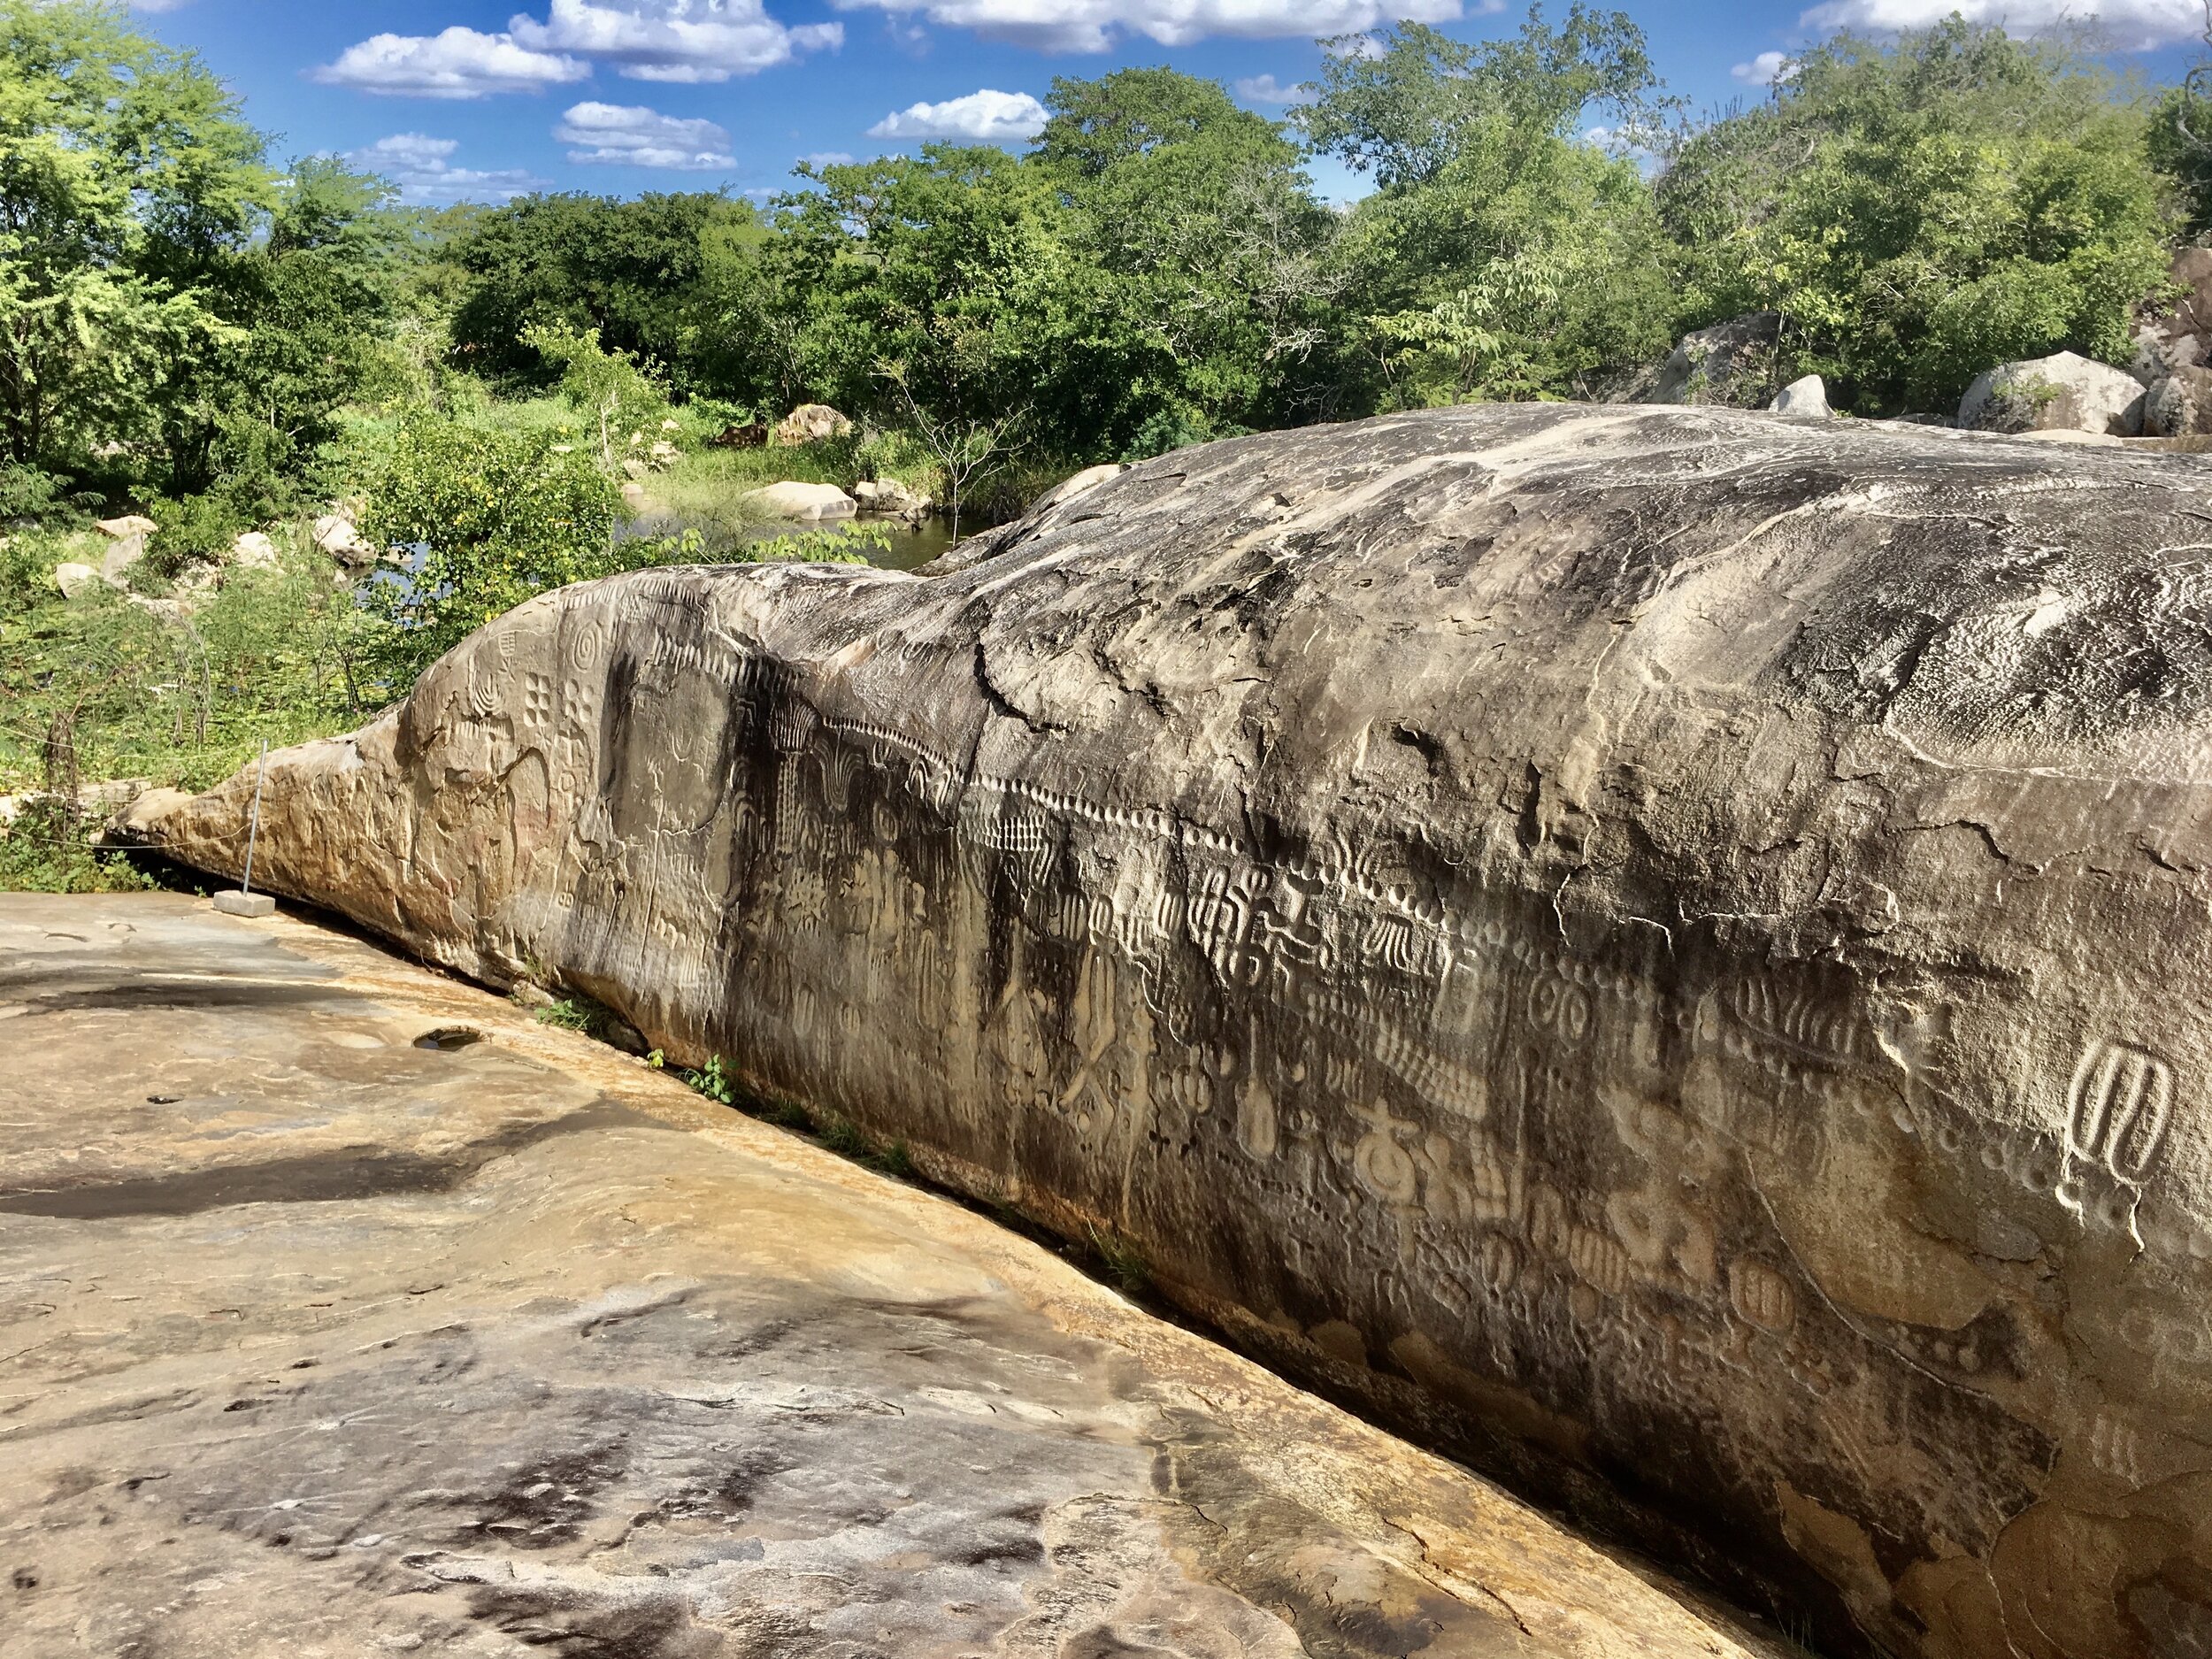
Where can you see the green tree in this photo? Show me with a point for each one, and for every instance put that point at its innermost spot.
(127, 177)
(1507, 254)
(1922, 210)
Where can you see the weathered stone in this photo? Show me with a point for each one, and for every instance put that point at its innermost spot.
(130, 526)
(890, 497)
(809, 502)
(351, 1311)
(1729, 363)
(1806, 396)
(341, 538)
(73, 579)
(1068, 489)
(253, 551)
(1660, 948)
(753, 436)
(2062, 391)
(808, 422)
(2180, 405)
(121, 558)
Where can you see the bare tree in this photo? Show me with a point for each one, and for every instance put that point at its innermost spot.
(966, 448)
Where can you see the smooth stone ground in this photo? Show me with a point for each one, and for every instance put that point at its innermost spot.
(318, 1341)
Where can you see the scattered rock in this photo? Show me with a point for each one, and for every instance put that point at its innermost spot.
(663, 454)
(119, 559)
(1558, 943)
(2179, 405)
(1730, 364)
(255, 552)
(337, 535)
(1068, 489)
(891, 498)
(124, 529)
(1806, 396)
(633, 493)
(2182, 338)
(747, 437)
(636, 466)
(2062, 391)
(811, 504)
(73, 579)
(808, 422)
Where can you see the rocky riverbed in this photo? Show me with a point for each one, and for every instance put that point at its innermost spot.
(345, 1310)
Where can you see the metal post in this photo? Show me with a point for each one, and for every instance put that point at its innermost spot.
(253, 829)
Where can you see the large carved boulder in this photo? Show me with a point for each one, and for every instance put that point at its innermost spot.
(1663, 949)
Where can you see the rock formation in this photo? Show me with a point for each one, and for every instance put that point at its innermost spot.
(1660, 948)
(2064, 392)
(1731, 362)
(809, 503)
(353, 1312)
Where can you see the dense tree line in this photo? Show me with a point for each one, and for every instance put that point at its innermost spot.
(180, 318)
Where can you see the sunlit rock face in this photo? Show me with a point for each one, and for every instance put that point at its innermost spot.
(1665, 949)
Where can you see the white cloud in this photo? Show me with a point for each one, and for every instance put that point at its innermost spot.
(1765, 70)
(630, 136)
(2133, 24)
(423, 168)
(827, 158)
(1267, 89)
(674, 40)
(457, 63)
(982, 117)
(1090, 26)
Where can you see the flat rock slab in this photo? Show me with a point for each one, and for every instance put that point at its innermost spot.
(344, 1310)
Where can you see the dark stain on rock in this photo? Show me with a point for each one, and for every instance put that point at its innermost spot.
(344, 1174)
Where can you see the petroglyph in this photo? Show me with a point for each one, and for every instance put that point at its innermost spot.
(1633, 1048)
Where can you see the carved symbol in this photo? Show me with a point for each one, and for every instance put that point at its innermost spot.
(2118, 1107)
(1554, 1005)
(537, 699)
(1384, 1167)
(1256, 1119)
(1761, 1295)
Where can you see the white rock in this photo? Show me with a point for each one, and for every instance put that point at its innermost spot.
(808, 422)
(2062, 391)
(809, 503)
(336, 535)
(74, 579)
(254, 551)
(1806, 396)
(1068, 489)
(122, 529)
(115, 564)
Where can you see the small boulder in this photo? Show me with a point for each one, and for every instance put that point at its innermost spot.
(254, 551)
(1729, 363)
(2179, 405)
(2064, 392)
(116, 563)
(633, 493)
(808, 422)
(664, 453)
(337, 535)
(1806, 396)
(74, 579)
(811, 504)
(125, 528)
(1068, 489)
(890, 498)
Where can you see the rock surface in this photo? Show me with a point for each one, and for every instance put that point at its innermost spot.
(2179, 405)
(1662, 949)
(808, 422)
(1729, 363)
(329, 1333)
(809, 503)
(73, 579)
(1808, 395)
(2064, 392)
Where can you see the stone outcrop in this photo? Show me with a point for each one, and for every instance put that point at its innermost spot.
(807, 503)
(1806, 396)
(2179, 405)
(1729, 363)
(1660, 948)
(808, 422)
(2064, 392)
(350, 1311)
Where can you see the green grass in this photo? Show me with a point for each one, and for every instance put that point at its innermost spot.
(48, 849)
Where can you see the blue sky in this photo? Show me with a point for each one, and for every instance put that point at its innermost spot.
(474, 99)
